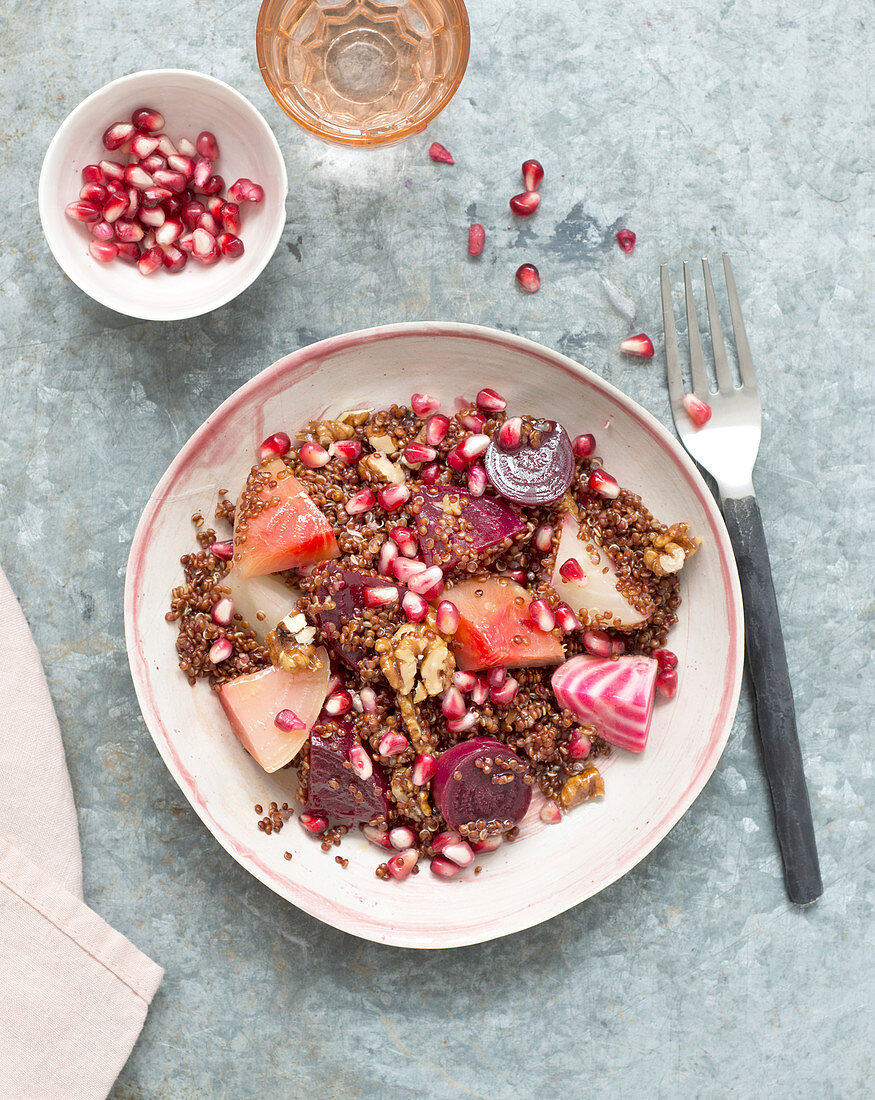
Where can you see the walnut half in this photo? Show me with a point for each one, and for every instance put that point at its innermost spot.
(671, 550)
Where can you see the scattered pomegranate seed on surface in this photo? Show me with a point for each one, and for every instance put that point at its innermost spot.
(667, 682)
(220, 651)
(444, 868)
(464, 681)
(348, 450)
(401, 866)
(437, 152)
(148, 120)
(406, 541)
(471, 421)
(207, 145)
(338, 703)
(505, 694)
(223, 611)
(463, 724)
(114, 207)
(103, 251)
(368, 700)
(224, 551)
(429, 583)
(402, 837)
(510, 433)
(311, 454)
(480, 691)
(144, 145)
(288, 721)
(116, 135)
(393, 744)
(82, 211)
(583, 445)
(626, 240)
(423, 404)
(93, 173)
(495, 677)
(543, 538)
(665, 658)
(533, 173)
(405, 568)
(414, 607)
(447, 617)
(697, 410)
(640, 345)
(415, 453)
(488, 844)
(453, 703)
(477, 481)
(312, 823)
(518, 575)
(436, 427)
(275, 446)
(566, 620)
(525, 204)
(150, 261)
(572, 571)
(392, 497)
(528, 278)
(450, 846)
(476, 239)
(112, 170)
(387, 558)
(362, 501)
(429, 474)
(379, 837)
(550, 813)
(542, 615)
(381, 596)
(230, 246)
(424, 767)
(128, 252)
(490, 401)
(244, 190)
(598, 643)
(602, 483)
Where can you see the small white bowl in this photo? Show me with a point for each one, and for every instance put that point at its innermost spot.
(190, 102)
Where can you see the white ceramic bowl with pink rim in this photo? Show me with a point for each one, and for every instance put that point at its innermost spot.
(190, 102)
(551, 867)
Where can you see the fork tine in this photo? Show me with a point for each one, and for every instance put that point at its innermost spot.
(721, 363)
(742, 348)
(697, 359)
(672, 356)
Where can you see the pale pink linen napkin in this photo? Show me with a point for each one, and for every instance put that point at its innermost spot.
(73, 992)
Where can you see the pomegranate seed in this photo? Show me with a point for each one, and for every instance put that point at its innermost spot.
(275, 446)
(533, 173)
(464, 453)
(338, 703)
(152, 164)
(598, 643)
(205, 249)
(453, 703)
(518, 575)
(423, 404)
(288, 721)
(640, 345)
(543, 538)
(128, 231)
(128, 252)
(133, 202)
(414, 453)
(550, 813)
(572, 571)
(207, 145)
(437, 152)
(414, 607)
(82, 211)
(148, 119)
(477, 481)
(172, 181)
(697, 410)
(444, 868)
(542, 615)
(186, 148)
(464, 681)
(400, 866)
(471, 421)
(405, 538)
(116, 135)
(203, 169)
(220, 651)
(626, 240)
(347, 450)
(112, 170)
(528, 278)
(191, 212)
(102, 231)
(335, 683)
(583, 445)
(388, 556)
(368, 700)
(566, 620)
(174, 259)
(169, 232)
(506, 693)
(510, 433)
(154, 196)
(244, 190)
(665, 658)
(451, 846)
(104, 251)
(480, 691)
(526, 204)
(166, 147)
(476, 239)
(436, 427)
(380, 596)
(135, 176)
(578, 746)
(488, 844)
(393, 497)
(429, 474)
(229, 245)
(404, 568)
(618, 648)
(143, 145)
(183, 165)
(229, 216)
(402, 837)
(150, 261)
(208, 222)
(393, 744)
(93, 192)
(495, 677)
(602, 483)
(362, 501)
(93, 173)
(491, 401)
(667, 682)
(223, 611)
(424, 767)
(224, 551)
(429, 583)
(462, 725)
(379, 837)
(312, 823)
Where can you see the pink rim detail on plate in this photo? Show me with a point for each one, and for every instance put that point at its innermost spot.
(367, 920)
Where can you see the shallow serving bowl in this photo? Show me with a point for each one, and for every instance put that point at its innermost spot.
(190, 102)
(552, 867)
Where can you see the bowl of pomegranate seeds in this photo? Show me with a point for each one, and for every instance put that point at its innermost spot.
(450, 648)
(162, 195)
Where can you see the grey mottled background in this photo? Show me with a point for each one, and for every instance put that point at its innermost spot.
(743, 125)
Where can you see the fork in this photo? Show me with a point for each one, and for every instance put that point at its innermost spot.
(726, 446)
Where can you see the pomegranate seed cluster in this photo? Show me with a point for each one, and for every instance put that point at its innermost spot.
(164, 202)
(425, 523)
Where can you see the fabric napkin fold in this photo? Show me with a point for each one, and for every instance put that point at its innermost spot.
(73, 992)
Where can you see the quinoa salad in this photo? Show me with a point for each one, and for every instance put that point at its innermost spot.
(438, 622)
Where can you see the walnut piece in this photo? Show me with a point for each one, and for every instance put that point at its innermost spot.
(416, 661)
(355, 417)
(670, 550)
(376, 467)
(290, 645)
(580, 788)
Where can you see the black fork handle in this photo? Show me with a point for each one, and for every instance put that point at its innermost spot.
(776, 715)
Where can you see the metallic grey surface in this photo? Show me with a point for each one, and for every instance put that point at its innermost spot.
(745, 128)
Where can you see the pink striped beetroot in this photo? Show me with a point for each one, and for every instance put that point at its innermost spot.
(614, 694)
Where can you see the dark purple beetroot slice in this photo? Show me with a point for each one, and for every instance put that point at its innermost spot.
(465, 785)
(333, 790)
(484, 522)
(527, 474)
(346, 588)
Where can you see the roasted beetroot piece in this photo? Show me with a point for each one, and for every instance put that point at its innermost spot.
(347, 589)
(334, 789)
(536, 469)
(481, 780)
(481, 523)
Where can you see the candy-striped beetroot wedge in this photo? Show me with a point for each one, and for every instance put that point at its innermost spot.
(614, 694)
